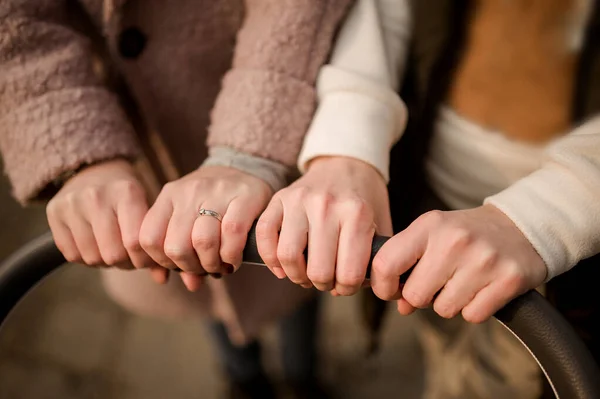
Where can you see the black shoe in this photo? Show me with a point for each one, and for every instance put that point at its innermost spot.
(256, 388)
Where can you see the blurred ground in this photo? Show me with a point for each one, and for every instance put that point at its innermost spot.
(67, 340)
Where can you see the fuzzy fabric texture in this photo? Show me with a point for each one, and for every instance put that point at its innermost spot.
(56, 113)
(265, 101)
(268, 97)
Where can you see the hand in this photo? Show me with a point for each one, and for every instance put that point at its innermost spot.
(96, 217)
(175, 236)
(478, 259)
(334, 209)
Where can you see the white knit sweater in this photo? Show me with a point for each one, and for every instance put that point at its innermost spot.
(552, 193)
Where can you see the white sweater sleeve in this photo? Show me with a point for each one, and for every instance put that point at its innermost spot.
(558, 207)
(360, 114)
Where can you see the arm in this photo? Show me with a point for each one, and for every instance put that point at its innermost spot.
(479, 259)
(54, 114)
(558, 207)
(342, 197)
(56, 117)
(258, 122)
(360, 114)
(268, 96)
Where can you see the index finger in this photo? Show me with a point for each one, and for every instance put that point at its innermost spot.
(130, 215)
(396, 257)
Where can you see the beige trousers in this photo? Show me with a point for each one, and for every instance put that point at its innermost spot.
(475, 361)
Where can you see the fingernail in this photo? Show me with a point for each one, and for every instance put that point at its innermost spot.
(216, 275)
(279, 272)
(306, 285)
(229, 269)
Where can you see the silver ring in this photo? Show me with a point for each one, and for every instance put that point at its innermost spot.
(208, 212)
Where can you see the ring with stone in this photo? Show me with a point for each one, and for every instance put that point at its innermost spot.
(208, 212)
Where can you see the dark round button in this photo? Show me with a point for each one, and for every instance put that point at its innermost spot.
(131, 43)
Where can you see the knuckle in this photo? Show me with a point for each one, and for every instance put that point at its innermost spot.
(246, 189)
(69, 200)
(177, 252)
(357, 206)
(142, 262)
(221, 186)
(379, 266)
(114, 258)
(433, 218)
(300, 193)
(92, 259)
(233, 227)
(488, 259)
(288, 255)
(294, 195)
(281, 195)
(169, 189)
(415, 299)
(212, 266)
(345, 290)
(327, 287)
(231, 255)
(349, 280)
(270, 258)
(264, 227)
(381, 291)
(319, 276)
(53, 208)
(321, 202)
(298, 279)
(193, 187)
(459, 238)
(514, 278)
(72, 256)
(205, 242)
(93, 195)
(473, 316)
(132, 244)
(169, 186)
(129, 188)
(444, 310)
(149, 242)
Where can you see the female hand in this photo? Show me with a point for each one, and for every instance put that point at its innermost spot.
(96, 217)
(334, 210)
(175, 235)
(477, 258)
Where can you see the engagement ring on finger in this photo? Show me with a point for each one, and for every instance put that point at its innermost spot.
(208, 212)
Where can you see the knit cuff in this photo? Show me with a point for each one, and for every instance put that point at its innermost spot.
(559, 217)
(262, 113)
(356, 118)
(271, 172)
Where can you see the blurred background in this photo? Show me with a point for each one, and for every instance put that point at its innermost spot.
(67, 340)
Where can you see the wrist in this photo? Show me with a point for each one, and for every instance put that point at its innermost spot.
(274, 174)
(62, 179)
(344, 164)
